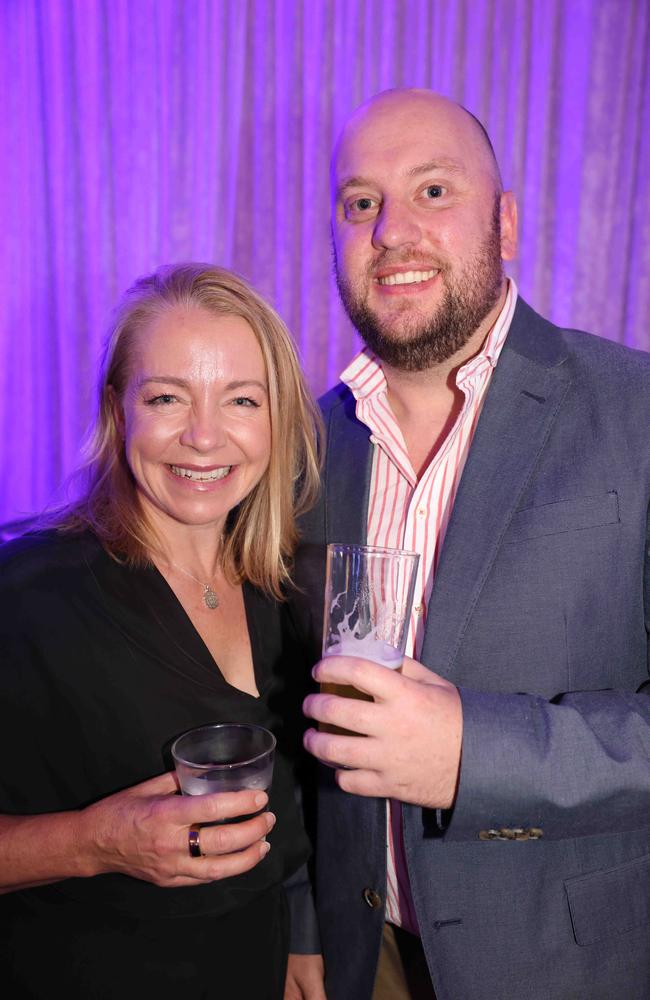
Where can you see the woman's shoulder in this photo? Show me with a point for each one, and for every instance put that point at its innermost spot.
(40, 554)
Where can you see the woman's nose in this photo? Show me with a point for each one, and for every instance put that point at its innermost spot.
(204, 431)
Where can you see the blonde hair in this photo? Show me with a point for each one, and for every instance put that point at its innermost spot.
(261, 532)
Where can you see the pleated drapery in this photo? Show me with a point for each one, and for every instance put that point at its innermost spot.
(137, 132)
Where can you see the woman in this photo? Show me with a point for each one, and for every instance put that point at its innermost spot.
(150, 606)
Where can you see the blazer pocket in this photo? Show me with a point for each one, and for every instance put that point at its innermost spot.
(613, 901)
(564, 515)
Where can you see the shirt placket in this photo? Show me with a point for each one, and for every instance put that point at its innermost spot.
(416, 528)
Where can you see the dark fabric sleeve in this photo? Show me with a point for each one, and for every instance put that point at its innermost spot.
(305, 936)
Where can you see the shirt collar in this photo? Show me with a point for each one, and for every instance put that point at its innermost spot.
(364, 375)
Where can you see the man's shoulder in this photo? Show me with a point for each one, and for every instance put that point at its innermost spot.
(552, 344)
(605, 351)
(606, 370)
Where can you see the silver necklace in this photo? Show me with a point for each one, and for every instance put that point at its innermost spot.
(210, 599)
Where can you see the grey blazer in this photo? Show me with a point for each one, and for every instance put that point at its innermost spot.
(539, 614)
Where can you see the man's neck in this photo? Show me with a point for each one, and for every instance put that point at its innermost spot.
(426, 404)
(412, 394)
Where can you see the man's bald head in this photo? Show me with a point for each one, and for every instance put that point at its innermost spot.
(414, 103)
(420, 225)
(483, 132)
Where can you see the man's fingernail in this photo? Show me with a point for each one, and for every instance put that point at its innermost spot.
(265, 847)
(261, 799)
(270, 820)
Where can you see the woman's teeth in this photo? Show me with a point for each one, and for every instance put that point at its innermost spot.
(201, 477)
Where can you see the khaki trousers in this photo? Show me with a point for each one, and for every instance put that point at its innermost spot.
(402, 973)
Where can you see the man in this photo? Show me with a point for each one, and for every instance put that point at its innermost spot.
(515, 458)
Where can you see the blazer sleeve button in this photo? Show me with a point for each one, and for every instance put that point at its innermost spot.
(372, 898)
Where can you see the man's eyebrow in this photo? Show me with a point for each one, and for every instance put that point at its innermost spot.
(433, 165)
(353, 182)
(452, 166)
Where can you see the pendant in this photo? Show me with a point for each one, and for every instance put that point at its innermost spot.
(210, 598)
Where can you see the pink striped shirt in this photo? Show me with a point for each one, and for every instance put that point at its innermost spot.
(407, 514)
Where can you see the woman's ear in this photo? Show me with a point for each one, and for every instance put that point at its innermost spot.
(117, 410)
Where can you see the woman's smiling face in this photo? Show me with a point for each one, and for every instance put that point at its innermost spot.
(195, 416)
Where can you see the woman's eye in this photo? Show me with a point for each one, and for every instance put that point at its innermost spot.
(244, 401)
(434, 191)
(162, 400)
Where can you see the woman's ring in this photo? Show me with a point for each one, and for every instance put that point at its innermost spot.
(194, 842)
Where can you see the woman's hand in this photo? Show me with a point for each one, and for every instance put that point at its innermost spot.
(143, 832)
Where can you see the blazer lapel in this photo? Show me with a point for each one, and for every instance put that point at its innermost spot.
(348, 473)
(526, 392)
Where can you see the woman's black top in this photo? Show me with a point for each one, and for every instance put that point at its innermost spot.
(100, 669)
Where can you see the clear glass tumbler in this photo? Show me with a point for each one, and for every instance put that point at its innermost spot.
(224, 757)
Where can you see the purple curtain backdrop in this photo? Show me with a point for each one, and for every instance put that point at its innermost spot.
(137, 132)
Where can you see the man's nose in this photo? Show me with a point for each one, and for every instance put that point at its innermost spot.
(396, 227)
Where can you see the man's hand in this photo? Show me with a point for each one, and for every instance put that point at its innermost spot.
(410, 735)
(305, 975)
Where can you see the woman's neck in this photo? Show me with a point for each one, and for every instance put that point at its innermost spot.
(194, 548)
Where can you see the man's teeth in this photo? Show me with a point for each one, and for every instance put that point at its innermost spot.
(201, 477)
(407, 277)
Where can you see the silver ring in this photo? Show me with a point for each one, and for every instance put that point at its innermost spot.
(194, 842)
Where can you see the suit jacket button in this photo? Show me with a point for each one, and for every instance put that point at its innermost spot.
(372, 898)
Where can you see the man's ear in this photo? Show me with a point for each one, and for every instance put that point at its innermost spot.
(508, 215)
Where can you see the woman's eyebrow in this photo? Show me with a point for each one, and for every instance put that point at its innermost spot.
(166, 379)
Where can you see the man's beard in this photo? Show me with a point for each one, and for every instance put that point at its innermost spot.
(468, 298)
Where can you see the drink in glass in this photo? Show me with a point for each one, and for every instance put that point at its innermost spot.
(225, 757)
(368, 600)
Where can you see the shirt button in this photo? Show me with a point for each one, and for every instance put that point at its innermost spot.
(422, 512)
(418, 609)
(372, 898)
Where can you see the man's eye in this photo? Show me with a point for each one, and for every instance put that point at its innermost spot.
(162, 400)
(434, 191)
(358, 206)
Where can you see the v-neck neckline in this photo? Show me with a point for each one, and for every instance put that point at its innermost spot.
(152, 598)
(161, 581)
